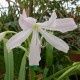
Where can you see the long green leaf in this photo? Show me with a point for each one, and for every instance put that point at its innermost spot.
(9, 63)
(69, 68)
(22, 68)
(45, 73)
(49, 55)
(69, 72)
(66, 73)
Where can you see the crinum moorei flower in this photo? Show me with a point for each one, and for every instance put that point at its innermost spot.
(29, 25)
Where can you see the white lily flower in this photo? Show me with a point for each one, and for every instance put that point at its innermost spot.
(2, 35)
(29, 25)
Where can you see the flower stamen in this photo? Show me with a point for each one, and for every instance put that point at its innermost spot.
(35, 27)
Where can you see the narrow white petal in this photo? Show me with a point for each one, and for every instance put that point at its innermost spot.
(53, 16)
(65, 24)
(17, 39)
(26, 22)
(62, 25)
(51, 22)
(24, 13)
(34, 56)
(2, 35)
(55, 41)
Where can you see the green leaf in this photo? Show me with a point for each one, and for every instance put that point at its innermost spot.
(49, 55)
(22, 68)
(9, 63)
(69, 71)
(32, 73)
(45, 73)
(66, 73)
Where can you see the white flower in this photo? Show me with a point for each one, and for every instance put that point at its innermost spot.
(29, 25)
(2, 35)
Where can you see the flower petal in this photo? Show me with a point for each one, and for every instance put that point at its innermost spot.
(34, 56)
(50, 22)
(17, 39)
(62, 25)
(2, 35)
(55, 41)
(65, 24)
(24, 13)
(26, 22)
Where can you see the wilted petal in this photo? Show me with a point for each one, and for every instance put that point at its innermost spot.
(2, 35)
(55, 41)
(27, 22)
(17, 39)
(65, 24)
(34, 56)
(51, 22)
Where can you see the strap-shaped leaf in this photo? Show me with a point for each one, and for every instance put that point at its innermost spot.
(49, 55)
(45, 73)
(9, 63)
(22, 68)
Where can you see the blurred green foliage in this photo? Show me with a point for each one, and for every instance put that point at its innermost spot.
(52, 60)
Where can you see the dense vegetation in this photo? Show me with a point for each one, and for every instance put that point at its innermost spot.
(54, 64)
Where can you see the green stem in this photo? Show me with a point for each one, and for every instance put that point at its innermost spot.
(24, 50)
(31, 74)
(10, 32)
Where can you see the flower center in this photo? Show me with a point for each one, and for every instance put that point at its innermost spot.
(35, 27)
